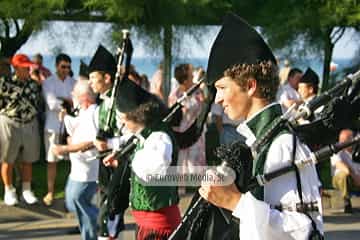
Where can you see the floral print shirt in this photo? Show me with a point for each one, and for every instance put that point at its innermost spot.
(19, 100)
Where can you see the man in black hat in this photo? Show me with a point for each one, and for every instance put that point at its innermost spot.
(308, 88)
(245, 75)
(308, 85)
(102, 70)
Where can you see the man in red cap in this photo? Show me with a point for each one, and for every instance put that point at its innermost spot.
(20, 98)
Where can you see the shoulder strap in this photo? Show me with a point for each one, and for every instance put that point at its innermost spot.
(315, 234)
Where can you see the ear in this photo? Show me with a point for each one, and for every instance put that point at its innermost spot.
(252, 86)
(312, 90)
(107, 78)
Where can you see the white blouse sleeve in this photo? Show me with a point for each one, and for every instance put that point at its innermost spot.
(155, 157)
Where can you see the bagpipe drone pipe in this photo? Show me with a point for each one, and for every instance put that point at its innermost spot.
(203, 220)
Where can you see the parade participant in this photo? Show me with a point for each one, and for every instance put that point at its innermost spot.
(308, 88)
(102, 70)
(245, 75)
(154, 208)
(308, 85)
(81, 184)
(57, 91)
(20, 99)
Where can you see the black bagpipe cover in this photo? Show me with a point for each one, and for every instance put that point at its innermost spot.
(209, 222)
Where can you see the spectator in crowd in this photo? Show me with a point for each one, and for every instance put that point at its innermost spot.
(81, 184)
(19, 134)
(157, 82)
(284, 72)
(287, 94)
(39, 68)
(57, 93)
(346, 173)
(194, 155)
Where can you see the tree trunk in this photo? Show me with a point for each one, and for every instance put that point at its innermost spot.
(167, 60)
(328, 51)
(10, 45)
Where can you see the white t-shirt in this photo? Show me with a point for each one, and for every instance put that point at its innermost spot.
(346, 158)
(82, 129)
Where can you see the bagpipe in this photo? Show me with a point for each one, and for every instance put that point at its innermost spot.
(203, 220)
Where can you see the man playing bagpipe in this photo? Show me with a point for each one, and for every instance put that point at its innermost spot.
(102, 70)
(245, 75)
(154, 208)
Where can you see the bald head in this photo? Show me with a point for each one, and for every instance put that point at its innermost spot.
(83, 92)
(346, 135)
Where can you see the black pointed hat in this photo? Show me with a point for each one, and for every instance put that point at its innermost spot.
(236, 43)
(83, 69)
(129, 96)
(310, 77)
(102, 60)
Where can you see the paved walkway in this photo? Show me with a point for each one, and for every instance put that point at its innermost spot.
(39, 222)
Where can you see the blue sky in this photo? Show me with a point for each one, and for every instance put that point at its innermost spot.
(82, 39)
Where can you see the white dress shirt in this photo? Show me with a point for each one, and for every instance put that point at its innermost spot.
(155, 157)
(83, 129)
(257, 219)
(54, 88)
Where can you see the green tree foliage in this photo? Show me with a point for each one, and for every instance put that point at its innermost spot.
(155, 21)
(309, 26)
(18, 20)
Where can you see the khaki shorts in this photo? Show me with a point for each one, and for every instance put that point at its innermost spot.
(18, 141)
(50, 139)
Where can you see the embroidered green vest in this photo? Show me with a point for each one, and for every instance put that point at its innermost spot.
(259, 125)
(151, 198)
(103, 113)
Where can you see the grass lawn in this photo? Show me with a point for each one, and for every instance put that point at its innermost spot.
(39, 182)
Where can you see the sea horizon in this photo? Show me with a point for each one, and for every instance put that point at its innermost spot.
(148, 65)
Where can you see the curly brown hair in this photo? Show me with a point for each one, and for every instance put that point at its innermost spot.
(265, 73)
(181, 72)
(149, 113)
